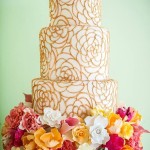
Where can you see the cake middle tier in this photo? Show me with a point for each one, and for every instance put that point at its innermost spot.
(74, 98)
(74, 53)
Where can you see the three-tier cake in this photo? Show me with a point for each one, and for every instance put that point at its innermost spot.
(74, 61)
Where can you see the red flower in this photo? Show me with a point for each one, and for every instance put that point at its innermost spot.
(115, 142)
(68, 145)
(15, 116)
(17, 137)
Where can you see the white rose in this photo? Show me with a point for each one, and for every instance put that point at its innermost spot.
(98, 132)
(51, 117)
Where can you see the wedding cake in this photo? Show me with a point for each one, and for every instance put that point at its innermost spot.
(73, 105)
(74, 61)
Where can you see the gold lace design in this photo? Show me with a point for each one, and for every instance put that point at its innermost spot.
(74, 58)
(74, 98)
(74, 53)
(75, 12)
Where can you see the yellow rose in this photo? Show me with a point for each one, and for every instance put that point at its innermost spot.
(112, 118)
(81, 134)
(46, 141)
(127, 147)
(98, 111)
(136, 118)
(126, 130)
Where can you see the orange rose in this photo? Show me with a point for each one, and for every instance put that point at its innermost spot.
(28, 142)
(127, 147)
(46, 141)
(113, 118)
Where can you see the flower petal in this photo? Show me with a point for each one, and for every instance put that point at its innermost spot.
(72, 121)
(65, 128)
(101, 120)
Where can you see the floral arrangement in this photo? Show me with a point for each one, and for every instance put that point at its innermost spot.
(25, 130)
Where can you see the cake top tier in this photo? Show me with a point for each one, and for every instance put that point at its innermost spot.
(75, 12)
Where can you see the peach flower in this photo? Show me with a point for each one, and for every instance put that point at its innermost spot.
(126, 130)
(68, 124)
(115, 123)
(46, 141)
(81, 134)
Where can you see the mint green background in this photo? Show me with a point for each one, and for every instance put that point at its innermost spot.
(129, 25)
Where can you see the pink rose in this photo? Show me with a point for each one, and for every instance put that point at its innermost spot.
(115, 142)
(139, 130)
(29, 120)
(126, 112)
(67, 145)
(15, 116)
(68, 124)
(135, 141)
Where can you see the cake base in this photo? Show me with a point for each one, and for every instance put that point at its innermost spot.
(74, 98)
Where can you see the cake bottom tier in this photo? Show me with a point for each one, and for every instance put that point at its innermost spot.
(74, 98)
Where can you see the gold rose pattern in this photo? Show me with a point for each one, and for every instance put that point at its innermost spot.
(74, 53)
(74, 98)
(75, 12)
(74, 61)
